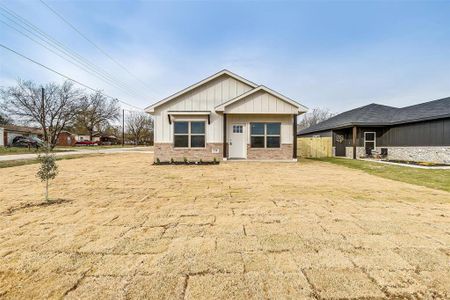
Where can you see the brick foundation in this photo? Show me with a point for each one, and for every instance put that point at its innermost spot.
(166, 151)
(283, 153)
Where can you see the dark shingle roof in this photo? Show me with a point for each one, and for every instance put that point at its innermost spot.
(379, 115)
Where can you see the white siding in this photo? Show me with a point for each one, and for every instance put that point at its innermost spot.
(286, 124)
(204, 97)
(261, 102)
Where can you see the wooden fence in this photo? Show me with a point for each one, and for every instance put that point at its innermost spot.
(314, 147)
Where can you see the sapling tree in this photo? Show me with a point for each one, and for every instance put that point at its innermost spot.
(48, 168)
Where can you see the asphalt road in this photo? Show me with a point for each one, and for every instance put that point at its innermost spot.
(78, 151)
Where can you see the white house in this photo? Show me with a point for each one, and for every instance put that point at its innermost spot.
(225, 116)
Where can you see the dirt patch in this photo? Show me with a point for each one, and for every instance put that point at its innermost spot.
(12, 210)
(235, 230)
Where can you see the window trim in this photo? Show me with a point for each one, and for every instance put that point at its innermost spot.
(265, 135)
(189, 134)
(374, 141)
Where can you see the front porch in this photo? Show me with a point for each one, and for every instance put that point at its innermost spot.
(259, 137)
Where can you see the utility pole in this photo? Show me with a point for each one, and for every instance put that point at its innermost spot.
(123, 127)
(43, 116)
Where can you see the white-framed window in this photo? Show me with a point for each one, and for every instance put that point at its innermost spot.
(189, 134)
(265, 135)
(370, 140)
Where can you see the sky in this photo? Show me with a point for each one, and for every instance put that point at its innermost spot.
(327, 54)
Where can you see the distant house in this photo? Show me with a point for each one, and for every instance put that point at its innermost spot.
(65, 138)
(415, 133)
(9, 132)
(82, 137)
(225, 116)
(104, 139)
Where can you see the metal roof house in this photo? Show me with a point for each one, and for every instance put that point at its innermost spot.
(225, 116)
(416, 133)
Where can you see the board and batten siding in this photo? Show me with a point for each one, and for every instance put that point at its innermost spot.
(263, 103)
(285, 120)
(203, 98)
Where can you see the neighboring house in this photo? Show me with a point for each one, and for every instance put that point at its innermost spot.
(82, 137)
(225, 116)
(65, 138)
(104, 139)
(9, 132)
(415, 133)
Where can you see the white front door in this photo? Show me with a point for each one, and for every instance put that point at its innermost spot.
(237, 147)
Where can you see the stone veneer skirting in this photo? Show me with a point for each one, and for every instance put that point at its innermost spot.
(166, 152)
(360, 152)
(435, 154)
(283, 153)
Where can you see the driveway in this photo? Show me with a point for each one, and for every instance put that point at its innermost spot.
(125, 229)
(77, 151)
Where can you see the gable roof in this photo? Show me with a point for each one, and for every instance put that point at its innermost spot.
(382, 115)
(152, 107)
(301, 108)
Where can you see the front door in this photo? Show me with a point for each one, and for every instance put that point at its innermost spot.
(339, 143)
(237, 147)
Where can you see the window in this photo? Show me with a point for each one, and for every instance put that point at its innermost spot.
(369, 141)
(265, 135)
(238, 129)
(189, 134)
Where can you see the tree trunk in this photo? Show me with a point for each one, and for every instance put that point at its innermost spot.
(46, 190)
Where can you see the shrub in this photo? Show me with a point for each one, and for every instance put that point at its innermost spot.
(185, 160)
(171, 160)
(158, 161)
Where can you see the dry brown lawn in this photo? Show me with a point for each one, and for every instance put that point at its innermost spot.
(126, 229)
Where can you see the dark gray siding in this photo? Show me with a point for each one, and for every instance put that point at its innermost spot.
(326, 133)
(428, 133)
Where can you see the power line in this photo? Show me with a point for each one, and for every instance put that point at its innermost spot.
(56, 53)
(65, 76)
(66, 51)
(59, 15)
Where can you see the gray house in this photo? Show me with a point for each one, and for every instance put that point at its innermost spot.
(414, 133)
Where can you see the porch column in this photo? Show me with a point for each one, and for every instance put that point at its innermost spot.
(224, 135)
(354, 141)
(294, 154)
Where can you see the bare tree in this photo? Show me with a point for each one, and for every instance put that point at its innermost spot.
(140, 127)
(96, 110)
(314, 117)
(4, 119)
(52, 109)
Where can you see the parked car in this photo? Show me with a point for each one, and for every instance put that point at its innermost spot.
(86, 143)
(25, 141)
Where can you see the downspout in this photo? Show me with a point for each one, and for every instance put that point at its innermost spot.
(224, 136)
(294, 152)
